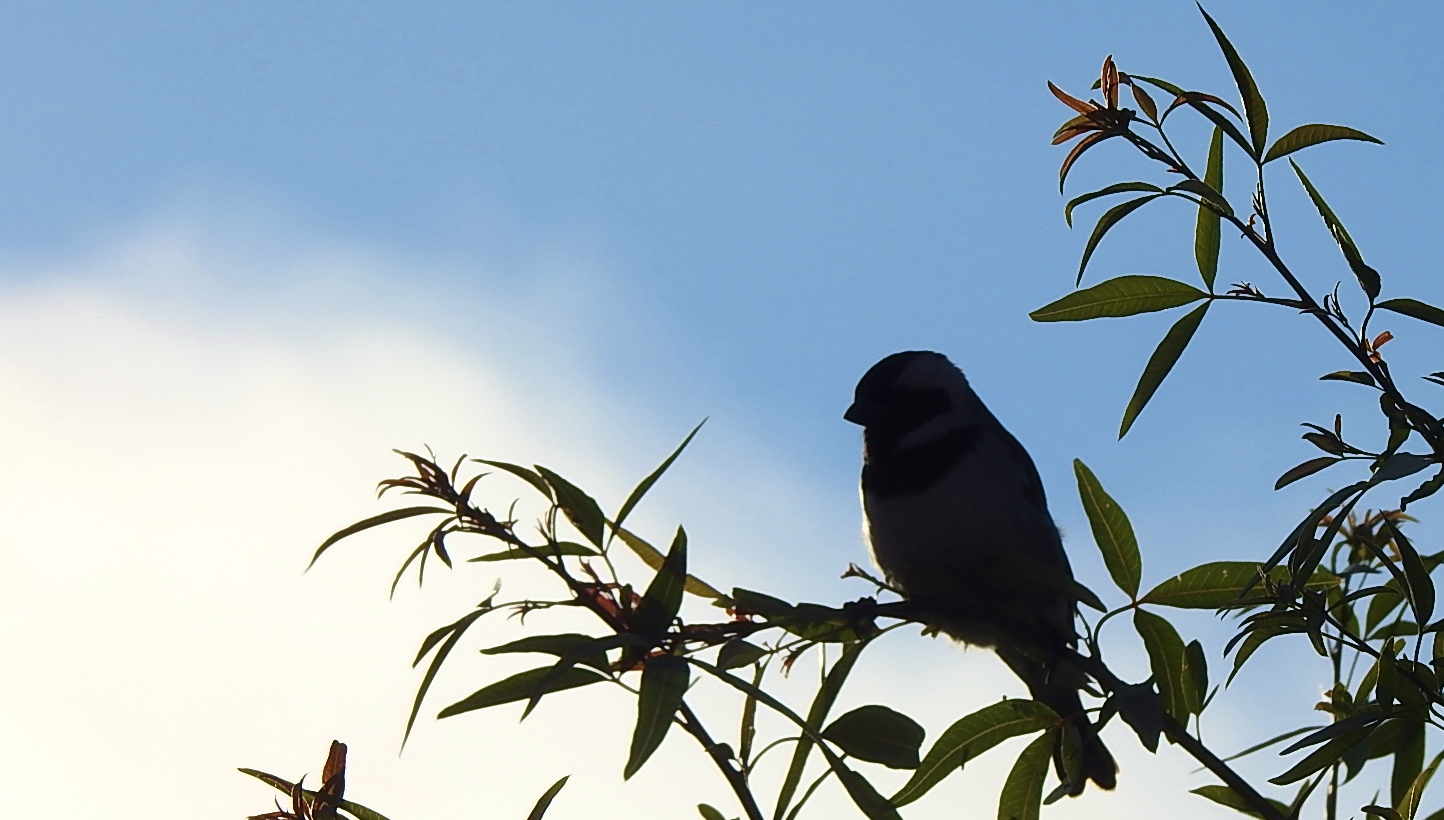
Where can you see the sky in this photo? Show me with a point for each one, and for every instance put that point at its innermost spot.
(248, 249)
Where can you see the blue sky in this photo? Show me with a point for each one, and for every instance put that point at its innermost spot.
(572, 230)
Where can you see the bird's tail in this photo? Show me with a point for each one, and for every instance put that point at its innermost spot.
(1054, 688)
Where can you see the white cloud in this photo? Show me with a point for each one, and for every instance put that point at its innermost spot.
(176, 440)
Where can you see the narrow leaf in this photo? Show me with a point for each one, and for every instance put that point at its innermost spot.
(642, 488)
(1195, 677)
(1255, 112)
(971, 736)
(1209, 197)
(1304, 470)
(1224, 796)
(709, 813)
(356, 810)
(1367, 276)
(545, 801)
(1306, 136)
(1165, 657)
(375, 521)
(816, 716)
(878, 734)
(529, 476)
(1416, 574)
(1356, 376)
(1409, 806)
(1122, 296)
(653, 557)
(1110, 217)
(1164, 357)
(1414, 309)
(519, 687)
(456, 630)
(1111, 530)
(1207, 232)
(1116, 188)
(580, 508)
(664, 682)
(567, 643)
(1219, 583)
(1022, 797)
(664, 594)
(1322, 757)
(553, 550)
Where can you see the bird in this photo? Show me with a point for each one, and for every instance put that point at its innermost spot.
(957, 521)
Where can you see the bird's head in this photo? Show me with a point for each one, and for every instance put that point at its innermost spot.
(913, 392)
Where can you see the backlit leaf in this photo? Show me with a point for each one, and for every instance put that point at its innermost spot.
(664, 682)
(1022, 796)
(1415, 309)
(1367, 276)
(545, 801)
(1165, 657)
(1207, 232)
(1224, 796)
(653, 557)
(1304, 470)
(1305, 136)
(969, 737)
(520, 686)
(1123, 296)
(1111, 530)
(1110, 217)
(579, 507)
(878, 734)
(1255, 112)
(646, 483)
(816, 716)
(375, 521)
(1116, 188)
(663, 597)
(1219, 583)
(1164, 357)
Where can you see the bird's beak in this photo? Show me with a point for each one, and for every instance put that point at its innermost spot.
(862, 412)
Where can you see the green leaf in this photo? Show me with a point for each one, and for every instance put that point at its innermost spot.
(1434, 484)
(1207, 232)
(652, 557)
(1224, 796)
(1323, 756)
(556, 549)
(709, 813)
(584, 647)
(453, 633)
(1209, 197)
(579, 507)
(642, 488)
(664, 682)
(1123, 296)
(1414, 309)
(969, 737)
(878, 734)
(1165, 658)
(1408, 763)
(1416, 575)
(1401, 465)
(1110, 217)
(738, 652)
(1306, 136)
(1022, 797)
(1164, 357)
(1111, 530)
(375, 521)
(1304, 470)
(520, 472)
(357, 810)
(1116, 188)
(758, 603)
(874, 806)
(1219, 583)
(520, 686)
(1195, 677)
(663, 598)
(1356, 376)
(1409, 806)
(816, 716)
(1255, 112)
(545, 801)
(1367, 276)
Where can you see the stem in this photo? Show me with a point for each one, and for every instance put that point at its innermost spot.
(734, 776)
(1179, 735)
